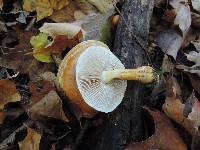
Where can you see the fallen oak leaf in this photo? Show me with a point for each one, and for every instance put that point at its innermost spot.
(176, 110)
(8, 92)
(165, 136)
(31, 141)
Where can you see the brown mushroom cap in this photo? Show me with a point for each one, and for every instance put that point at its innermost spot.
(97, 94)
(67, 77)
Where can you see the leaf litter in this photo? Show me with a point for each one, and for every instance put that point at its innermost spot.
(35, 49)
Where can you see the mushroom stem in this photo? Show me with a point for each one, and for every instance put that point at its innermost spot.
(143, 74)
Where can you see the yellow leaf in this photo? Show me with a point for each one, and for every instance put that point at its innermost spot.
(44, 8)
(38, 42)
(31, 142)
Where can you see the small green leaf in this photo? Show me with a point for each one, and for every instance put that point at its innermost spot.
(38, 42)
(42, 57)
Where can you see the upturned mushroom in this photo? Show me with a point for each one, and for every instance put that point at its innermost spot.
(94, 79)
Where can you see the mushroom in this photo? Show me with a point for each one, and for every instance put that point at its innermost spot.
(94, 79)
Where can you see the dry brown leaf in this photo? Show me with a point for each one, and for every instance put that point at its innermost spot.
(59, 44)
(31, 141)
(183, 18)
(44, 101)
(79, 9)
(50, 105)
(70, 12)
(183, 14)
(165, 136)
(39, 89)
(188, 114)
(44, 8)
(169, 42)
(8, 92)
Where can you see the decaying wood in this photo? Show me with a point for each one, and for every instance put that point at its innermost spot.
(125, 123)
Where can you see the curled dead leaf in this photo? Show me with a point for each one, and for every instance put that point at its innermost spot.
(165, 136)
(68, 29)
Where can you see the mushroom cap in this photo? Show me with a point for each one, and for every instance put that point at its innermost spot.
(97, 94)
(67, 78)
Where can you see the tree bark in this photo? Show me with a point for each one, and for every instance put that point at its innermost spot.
(125, 123)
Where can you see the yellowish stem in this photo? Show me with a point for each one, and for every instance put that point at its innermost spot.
(143, 74)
